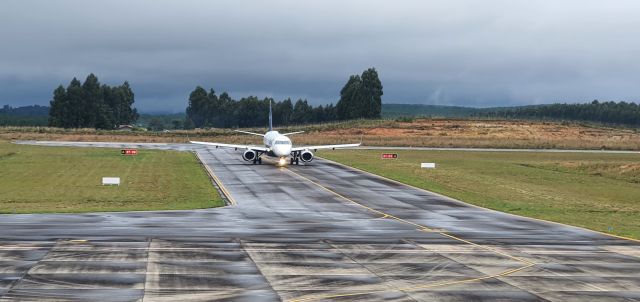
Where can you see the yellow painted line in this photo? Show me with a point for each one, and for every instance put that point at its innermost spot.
(420, 228)
(359, 204)
(435, 230)
(78, 241)
(217, 180)
(426, 286)
(479, 207)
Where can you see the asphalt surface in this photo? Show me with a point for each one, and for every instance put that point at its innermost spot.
(316, 232)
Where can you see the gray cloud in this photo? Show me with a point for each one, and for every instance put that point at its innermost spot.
(478, 53)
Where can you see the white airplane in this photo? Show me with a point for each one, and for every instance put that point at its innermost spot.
(276, 145)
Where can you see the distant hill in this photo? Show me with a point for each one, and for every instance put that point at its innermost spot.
(409, 110)
(162, 121)
(24, 116)
(600, 112)
(613, 113)
(34, 110)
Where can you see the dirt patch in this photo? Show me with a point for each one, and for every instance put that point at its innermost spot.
(419, 133)
(543, 133)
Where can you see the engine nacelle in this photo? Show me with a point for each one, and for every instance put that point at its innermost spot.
(249, 155)
(306, 156)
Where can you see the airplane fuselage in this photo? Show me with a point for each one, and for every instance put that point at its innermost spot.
(278, 144)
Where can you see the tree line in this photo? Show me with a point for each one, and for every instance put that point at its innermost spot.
(31, 110)
(359, 98)
(625, 113)
(95, 105)
(92, 105)
(206, 109)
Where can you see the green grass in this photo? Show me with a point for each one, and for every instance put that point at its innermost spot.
(595, 191)
(36, 179)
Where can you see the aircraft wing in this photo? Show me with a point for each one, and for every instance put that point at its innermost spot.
(247, 147)
(292, 133)
(324, 147)
(247, 132)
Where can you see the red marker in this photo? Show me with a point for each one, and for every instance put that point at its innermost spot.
(128, 151)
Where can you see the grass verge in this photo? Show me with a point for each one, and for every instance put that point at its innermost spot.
(595, 191)
(35, 179)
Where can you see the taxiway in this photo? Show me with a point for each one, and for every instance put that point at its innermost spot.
(316, 232)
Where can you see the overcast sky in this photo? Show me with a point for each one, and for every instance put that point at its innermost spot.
(470, 53)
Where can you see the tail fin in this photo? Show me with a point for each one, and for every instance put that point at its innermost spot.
(270, 117)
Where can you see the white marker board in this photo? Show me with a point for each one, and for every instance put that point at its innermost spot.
(428, 165)
(110, 181)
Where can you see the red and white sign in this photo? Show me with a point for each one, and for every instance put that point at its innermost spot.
(128, 151)
(389, 155)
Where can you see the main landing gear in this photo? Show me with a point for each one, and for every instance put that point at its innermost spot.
(257, 160)
(295, 157)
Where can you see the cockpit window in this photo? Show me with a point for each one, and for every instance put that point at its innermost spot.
(283, 143)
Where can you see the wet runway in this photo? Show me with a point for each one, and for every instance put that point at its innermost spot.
(316, 232)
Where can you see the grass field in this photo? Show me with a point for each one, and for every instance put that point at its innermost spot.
(36, 179)
(595, 191)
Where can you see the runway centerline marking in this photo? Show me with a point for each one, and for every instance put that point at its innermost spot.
(527, 263)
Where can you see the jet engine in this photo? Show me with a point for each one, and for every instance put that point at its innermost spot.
(306, 156)
(249, 155)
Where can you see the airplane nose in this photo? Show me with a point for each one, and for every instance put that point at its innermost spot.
(281, 151)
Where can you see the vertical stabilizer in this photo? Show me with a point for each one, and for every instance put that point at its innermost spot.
(270, 117)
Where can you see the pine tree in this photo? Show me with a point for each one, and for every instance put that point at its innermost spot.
(92, 105)
(58, 107)
(361, 97)
(215, 111)
(197, 109)
(348, 107)
(302, 112)
(371, 94)
(92, 102)
(127, 113)
(227, 105)
(74, 113)
(285, 111)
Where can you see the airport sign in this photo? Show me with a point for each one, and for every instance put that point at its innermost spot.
(106, 181)
(129, 152)
(389, 155)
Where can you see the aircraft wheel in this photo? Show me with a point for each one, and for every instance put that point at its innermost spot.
(259, 160)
